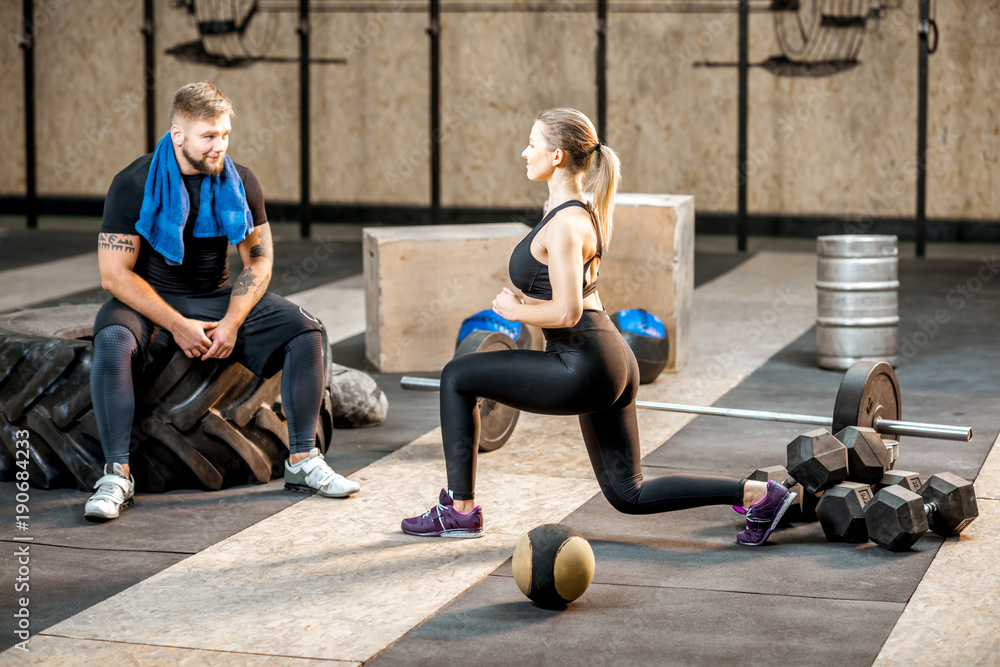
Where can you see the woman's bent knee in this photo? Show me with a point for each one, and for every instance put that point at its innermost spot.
(623, 497)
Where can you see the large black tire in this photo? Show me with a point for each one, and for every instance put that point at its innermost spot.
(198, 424)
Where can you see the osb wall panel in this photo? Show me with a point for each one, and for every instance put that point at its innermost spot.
(816, 143)
(12, 177)
(835, 144)
(672, 120)
(499, 70)
(842, 144)
(371, 118)
(258, 73)
(89, 94)
(963, 177)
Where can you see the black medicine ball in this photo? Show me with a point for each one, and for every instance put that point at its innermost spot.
(646, 334)
(553, 565)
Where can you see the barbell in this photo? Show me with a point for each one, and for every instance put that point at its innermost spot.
(868, 396)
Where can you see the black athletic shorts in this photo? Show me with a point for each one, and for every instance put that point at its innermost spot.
(260, 341)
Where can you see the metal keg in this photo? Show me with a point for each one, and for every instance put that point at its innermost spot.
(857, 289)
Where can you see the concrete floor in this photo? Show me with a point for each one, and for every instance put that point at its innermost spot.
(670, 589)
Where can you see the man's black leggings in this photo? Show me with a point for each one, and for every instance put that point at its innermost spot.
(111, 386)
(586, 370)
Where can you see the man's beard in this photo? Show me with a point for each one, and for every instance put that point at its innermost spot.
(201, 165)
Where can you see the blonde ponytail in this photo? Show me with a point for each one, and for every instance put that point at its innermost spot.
(605, 184)
(571, 131)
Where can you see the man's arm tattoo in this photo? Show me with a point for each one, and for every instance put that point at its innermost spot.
(115, 242)
(246, 280)
(264, 248)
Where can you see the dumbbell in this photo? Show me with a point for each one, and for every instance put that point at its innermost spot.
(911, 481)
(897, 518)
(841, 512)
(868, 457)
(841, 509)
(815, 461)
(818, 460)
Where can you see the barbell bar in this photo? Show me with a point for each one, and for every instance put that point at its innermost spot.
(892, 427)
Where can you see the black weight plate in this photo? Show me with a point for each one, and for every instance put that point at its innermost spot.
(496, 421)
(868, 391)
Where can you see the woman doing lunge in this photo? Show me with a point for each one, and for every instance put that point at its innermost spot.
(587, 368)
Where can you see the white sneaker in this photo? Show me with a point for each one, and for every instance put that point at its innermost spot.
(114, 493)
(313, 475)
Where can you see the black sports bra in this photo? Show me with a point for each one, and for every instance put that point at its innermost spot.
(531, 276)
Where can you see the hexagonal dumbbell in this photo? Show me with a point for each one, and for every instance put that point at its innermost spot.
(950, 502)
(841, 512)
(897, 517)
(912, 481)
(893, 447)
(817, 460)
(867, 455)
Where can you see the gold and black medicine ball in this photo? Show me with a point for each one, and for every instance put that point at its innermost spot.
(553, 565)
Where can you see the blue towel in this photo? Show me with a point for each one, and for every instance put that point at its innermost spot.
(223, 209)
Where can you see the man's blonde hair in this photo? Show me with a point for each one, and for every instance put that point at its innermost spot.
(200, 101)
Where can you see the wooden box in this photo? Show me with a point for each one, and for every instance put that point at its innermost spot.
(421, 282)
(650, 264)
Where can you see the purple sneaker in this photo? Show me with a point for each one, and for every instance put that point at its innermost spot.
(443, 520)
(763, 517)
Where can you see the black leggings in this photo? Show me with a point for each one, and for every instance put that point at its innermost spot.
(586, 370)
(115, 348)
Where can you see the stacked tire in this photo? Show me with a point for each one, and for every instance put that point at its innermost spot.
(198, 424)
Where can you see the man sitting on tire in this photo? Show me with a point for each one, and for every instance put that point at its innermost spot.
(169, 218)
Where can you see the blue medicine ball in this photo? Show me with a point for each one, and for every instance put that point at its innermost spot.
(487, 320)
(646, 334)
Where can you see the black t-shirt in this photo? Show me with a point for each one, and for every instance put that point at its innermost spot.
(206, 261)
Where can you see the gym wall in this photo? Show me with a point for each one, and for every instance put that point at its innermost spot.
(835, 135)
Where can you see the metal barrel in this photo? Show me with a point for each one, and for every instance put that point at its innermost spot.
(857, 290)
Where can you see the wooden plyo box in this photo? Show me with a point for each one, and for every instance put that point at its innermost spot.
(650, 264)
(421, 282)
